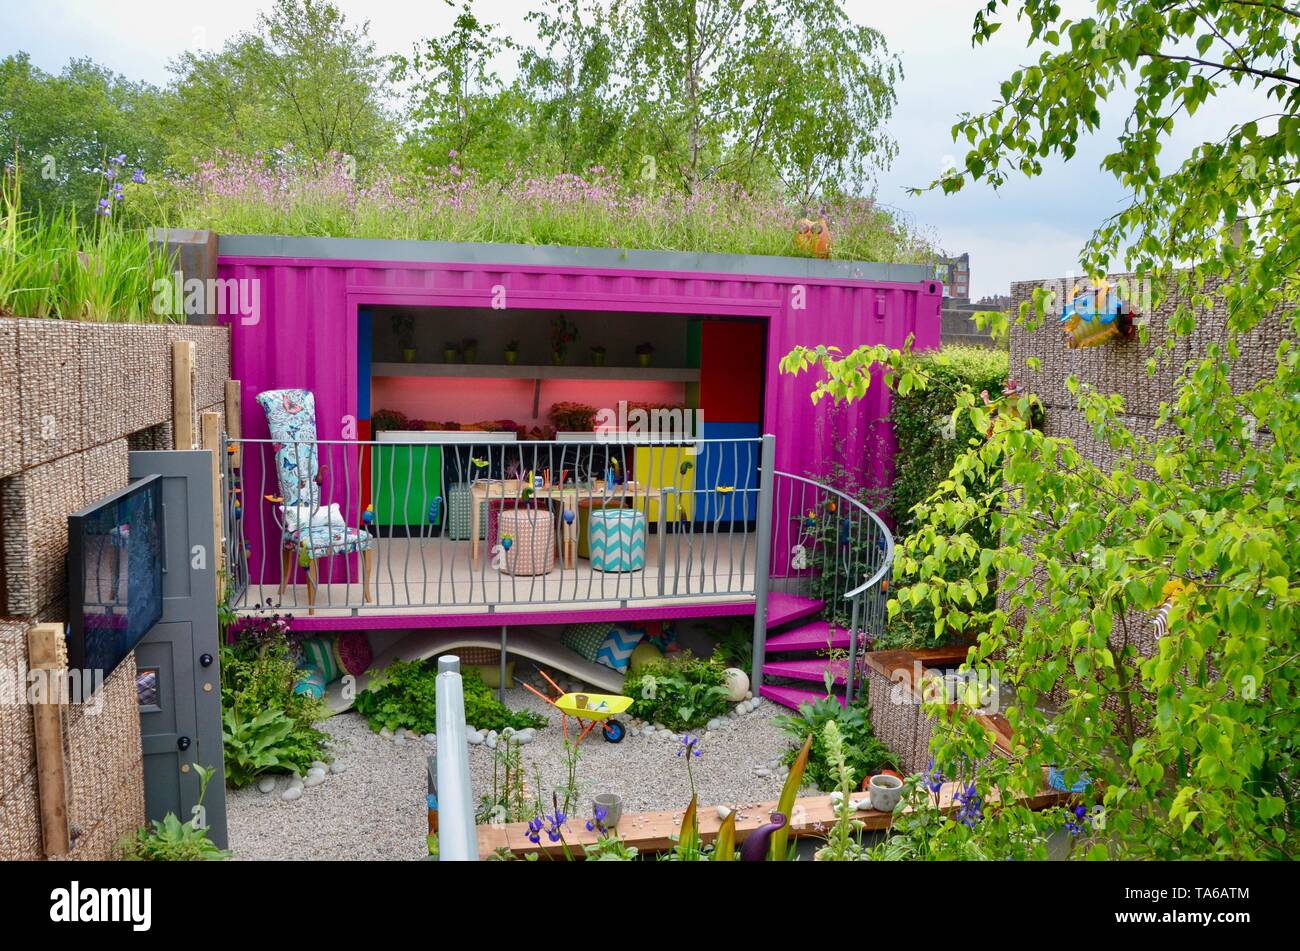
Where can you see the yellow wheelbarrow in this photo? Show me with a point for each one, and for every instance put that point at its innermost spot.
(589, 709)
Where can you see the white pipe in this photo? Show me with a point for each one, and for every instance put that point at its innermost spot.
(457, 836)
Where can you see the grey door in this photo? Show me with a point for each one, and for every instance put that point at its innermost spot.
(178, 662)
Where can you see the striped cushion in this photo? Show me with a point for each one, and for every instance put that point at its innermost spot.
(352, 652)
(311, 682)
(319, 653)
(616, 651)
(585, 639)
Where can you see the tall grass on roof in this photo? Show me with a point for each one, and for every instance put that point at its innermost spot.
(52, 265)
(242, 196)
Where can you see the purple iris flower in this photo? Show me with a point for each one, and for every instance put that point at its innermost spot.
(933, 778)
(119, 159)
(690, 746)
(118, 194)
(138, 176)
(972, 806)
(535, 829)
(105, 207)
(1076, 821)
(599, 821)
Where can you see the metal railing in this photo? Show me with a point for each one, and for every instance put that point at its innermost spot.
(464, 522)
(831, 547)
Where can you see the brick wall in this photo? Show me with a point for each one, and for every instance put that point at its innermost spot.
(74, 399)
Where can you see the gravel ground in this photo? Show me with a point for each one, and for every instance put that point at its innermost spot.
(374, 808)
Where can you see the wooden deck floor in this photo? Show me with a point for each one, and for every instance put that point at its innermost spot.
(434, 576)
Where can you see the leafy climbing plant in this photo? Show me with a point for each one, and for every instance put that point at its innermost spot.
(1188, 743)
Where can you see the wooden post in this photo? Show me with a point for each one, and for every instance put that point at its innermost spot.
(183, 394)
(234, 428)
(211, 426)
(44, 654)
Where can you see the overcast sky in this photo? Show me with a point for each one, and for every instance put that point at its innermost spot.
(1029, 230)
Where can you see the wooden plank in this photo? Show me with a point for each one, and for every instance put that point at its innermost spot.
(653, 831)
(183, 356)
(44, 642)
(234, 424)
(211, 426)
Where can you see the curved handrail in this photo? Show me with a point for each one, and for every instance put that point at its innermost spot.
(887, 562)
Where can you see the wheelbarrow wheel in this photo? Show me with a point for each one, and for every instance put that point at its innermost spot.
(614, 731)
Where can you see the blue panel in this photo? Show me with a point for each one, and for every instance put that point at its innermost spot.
(733, 464)
(363, 363)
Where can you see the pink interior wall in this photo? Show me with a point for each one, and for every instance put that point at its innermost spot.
(462, 401)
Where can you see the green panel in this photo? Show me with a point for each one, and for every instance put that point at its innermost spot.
(394, 469)
(694, 337)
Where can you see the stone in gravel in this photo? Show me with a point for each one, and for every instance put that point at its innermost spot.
(319, 764)
(723, 812)
(315, 771)
(313, 779)
(266, 784)
(749, 695)
(649, 731)
(491, 739)
(668, 734)
(292, 793)
(385, 732)
(474, 738)
(525, 735)
(763, 771)
(337, 768)
(431, 738)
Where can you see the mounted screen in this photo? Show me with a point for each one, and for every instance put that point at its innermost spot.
(115, 566)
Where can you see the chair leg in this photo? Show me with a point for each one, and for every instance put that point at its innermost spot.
(311, 586)
(286, 560)
(367, 561)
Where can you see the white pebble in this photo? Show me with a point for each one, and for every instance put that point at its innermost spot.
(723, 812)
(315, 771)
(474, 738)
(319, 764)
(385, 733)
(338, 767)
(430, 738)
(292, 793)
(313, 779)
(266, 784)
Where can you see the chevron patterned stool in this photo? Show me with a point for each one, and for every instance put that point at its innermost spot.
(616, 538)
(532, 541)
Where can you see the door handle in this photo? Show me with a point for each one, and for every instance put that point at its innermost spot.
(183, 743)
(205, 660)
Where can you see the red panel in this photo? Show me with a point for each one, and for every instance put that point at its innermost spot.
(363, 434)
(731, 371)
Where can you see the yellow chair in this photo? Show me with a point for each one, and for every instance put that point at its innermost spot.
(660, 467)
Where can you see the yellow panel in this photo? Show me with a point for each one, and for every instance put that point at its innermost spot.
(661, 467)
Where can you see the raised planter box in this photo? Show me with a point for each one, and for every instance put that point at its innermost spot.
(895, 692)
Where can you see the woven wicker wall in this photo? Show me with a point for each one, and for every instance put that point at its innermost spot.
(1120, 367)
(75, 398)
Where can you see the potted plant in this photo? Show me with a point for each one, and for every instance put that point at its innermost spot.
(469, 350)
(573, 417)
(512, 352)
(597, 356)
(450, 352)
(404, 330)
(563, 333)
(645, 353)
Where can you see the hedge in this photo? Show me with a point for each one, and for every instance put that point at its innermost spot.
(925, 456)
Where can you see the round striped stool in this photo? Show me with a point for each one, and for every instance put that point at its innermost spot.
(616, 538)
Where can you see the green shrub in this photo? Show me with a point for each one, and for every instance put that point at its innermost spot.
(682, 692)
(170, 840)
(928, 445)
(265, 725)
(864, 754)
(404, 694)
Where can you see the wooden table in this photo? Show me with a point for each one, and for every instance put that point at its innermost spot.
(632, 494)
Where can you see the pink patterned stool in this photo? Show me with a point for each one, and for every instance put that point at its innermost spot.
(532, 541)
(494, 509)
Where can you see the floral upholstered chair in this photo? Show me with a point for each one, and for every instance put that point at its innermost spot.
(310, 528)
